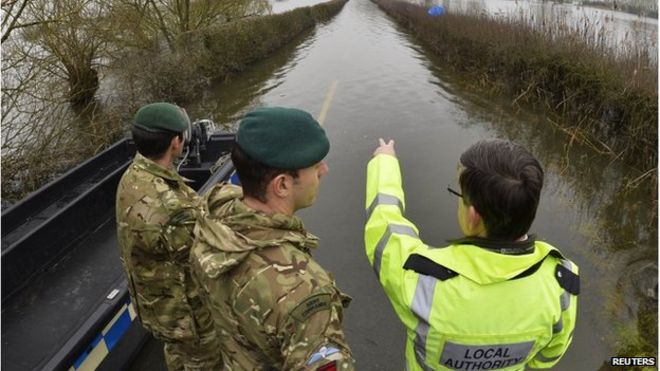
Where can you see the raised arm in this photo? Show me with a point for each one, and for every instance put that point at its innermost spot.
(388, 236)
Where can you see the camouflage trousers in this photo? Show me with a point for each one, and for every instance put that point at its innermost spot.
(201, 356)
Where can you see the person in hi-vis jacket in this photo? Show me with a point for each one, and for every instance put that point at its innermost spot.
(496, 299)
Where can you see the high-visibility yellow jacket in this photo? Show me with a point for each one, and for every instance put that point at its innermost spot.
(476, 304)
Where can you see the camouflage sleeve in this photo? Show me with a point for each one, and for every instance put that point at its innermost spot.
(293, 312)
(177, 232)
(181, 207)
(164, 223)
(312, 335)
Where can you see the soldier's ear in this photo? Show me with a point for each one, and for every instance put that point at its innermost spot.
(281, 186)
(175, 143)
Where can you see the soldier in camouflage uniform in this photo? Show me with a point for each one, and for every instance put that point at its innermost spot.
(274, 307)
(156, 213)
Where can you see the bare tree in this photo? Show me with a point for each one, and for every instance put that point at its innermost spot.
(51, 52)
(54, 54)
(169, 18)
(74, 35)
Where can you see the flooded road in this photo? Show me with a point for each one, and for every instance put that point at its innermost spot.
(382, 83)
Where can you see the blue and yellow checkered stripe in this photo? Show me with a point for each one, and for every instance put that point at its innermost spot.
(101, 346)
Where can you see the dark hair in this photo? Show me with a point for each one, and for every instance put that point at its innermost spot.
(503, 181)
(255, 176)
(150, 144)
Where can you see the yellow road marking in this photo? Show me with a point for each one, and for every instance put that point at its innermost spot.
(326, 103)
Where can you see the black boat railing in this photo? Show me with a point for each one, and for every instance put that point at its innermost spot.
(37, 230)
(62, 219)
(28, 207)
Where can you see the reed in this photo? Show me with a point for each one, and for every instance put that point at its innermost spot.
(605, 98)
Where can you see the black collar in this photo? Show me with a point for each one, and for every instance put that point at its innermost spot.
(499, 246)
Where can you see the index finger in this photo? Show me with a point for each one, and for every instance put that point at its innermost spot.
(381, 141)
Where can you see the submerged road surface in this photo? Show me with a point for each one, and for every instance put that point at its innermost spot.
(366, 78)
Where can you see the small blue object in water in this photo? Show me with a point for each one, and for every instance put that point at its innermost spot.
(436, 10)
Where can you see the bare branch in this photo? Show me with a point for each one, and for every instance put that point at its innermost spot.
(7, 31)
(162, 24)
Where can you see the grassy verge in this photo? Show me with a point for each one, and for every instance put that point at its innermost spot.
(605, 100)
(215, 54)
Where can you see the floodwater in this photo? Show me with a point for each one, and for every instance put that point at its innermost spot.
(377, 81)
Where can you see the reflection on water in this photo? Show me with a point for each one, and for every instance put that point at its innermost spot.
(388, 85)
(226, 103)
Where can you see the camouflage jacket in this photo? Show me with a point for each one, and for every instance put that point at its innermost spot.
(156, 213)
(273, 306)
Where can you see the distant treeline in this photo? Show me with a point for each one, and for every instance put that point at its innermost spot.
(213, 54)
(603, 100)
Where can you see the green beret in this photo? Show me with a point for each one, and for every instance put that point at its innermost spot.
(158, 117)
(284, 138)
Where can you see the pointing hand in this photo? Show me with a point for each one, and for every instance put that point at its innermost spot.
(385, 148)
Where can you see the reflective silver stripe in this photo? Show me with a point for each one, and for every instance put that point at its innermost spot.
(565, 301)
(557, 327)
(542, 358)
(391, 229)
(383, 199)
(567, 264)
(421, 308)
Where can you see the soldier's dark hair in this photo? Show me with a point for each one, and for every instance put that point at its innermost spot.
(255, 176)
(152, 145)
(503, 181)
